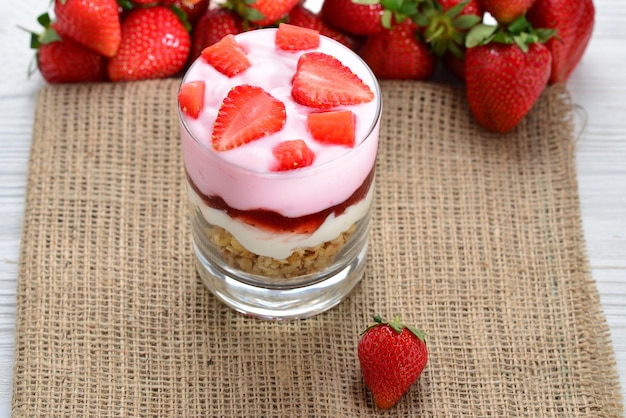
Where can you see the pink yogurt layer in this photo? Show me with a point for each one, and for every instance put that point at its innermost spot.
(243, 176)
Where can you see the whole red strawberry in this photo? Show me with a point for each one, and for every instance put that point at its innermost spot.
(92, 23)
(392, 357)
(155, 44)
(353, 18)
(504, 82)
(212, 26)
(62, 60)
(397, 53)
(573, 21)
(506, 11)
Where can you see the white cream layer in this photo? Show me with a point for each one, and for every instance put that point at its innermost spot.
(282, 245)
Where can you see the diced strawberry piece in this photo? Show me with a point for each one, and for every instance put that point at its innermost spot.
(336, 127)
(292, 155)
(227, 56)
(322, 81)
(296, 38)
(191, 98)
(247, 113)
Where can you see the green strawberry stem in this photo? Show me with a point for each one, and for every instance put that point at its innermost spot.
(446, 30)
(397, 326)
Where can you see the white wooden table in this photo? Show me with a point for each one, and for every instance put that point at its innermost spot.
(598, 85)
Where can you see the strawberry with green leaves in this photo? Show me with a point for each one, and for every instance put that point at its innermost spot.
(505, 72)
(261, 12)
(155, 44)
(398, 53)
(92, 23)
(62, 60)
(446, 24)
(247, 113)
(573, 21)
(321, 81)
(506, 11)
(392, 357)
(367, 17)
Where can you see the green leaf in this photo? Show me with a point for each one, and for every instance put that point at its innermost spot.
(479, 34)
(456, 10)
(455, 50)
(182, 16)
(435, 34)
(546, 34)
(408, 8)
(254, 14)
(521, 24)
(420, 19)
(34, 41)
(366, 2)
(502, 38)
(465, 22)
(521, 42)
(44, 20)
(399, 17)
(125, 4)
(459, 38)
(419, 334)
(49, 36)
(392, 5)
(386, 19)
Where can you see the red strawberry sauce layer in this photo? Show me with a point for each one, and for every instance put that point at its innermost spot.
(277, 223)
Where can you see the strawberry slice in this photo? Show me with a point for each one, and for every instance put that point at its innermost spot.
(247, 113)
(292, 155)
(226, 56)
(335, 127)
(296, 38)
(322, 81)
(191, 98)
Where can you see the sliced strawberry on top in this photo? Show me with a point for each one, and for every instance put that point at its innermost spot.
(227, 56)
(336, 127)
(296, 38)
(292, 155)
(322, 81)
(191, 98)
(247, 113)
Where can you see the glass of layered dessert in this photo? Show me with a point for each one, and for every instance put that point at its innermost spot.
(279, 137)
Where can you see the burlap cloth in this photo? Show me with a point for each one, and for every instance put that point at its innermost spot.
(476, 239)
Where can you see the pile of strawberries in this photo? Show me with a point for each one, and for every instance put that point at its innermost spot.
(505, 65)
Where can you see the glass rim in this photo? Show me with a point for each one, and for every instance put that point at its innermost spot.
(304, 170)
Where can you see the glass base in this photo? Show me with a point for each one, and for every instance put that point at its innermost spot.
(282, 302)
